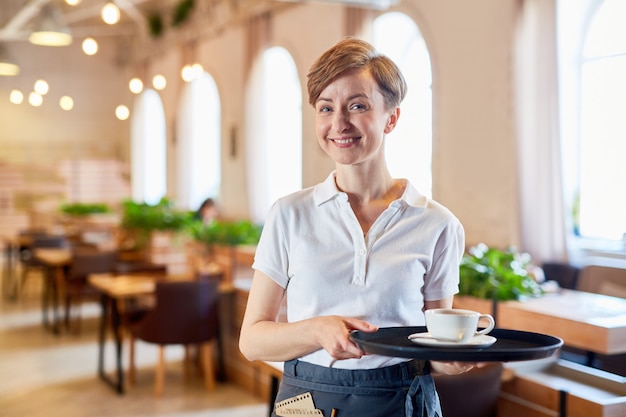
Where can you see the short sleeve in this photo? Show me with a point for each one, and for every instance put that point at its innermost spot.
(442, 279)
(271, 256)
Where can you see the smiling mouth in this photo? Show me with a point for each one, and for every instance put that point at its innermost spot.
(347, 141)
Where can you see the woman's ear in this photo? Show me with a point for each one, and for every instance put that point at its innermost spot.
(393, 120)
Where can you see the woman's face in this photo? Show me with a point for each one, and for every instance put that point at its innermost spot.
(351, 119)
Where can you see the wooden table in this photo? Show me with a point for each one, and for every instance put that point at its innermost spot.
(593, 322)
(54, 260)
(588, 321)
(116, 291)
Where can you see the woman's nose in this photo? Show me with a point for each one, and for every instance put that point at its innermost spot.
(341, 121)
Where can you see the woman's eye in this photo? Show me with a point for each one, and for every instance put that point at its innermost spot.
(324, 109)
(357, 107)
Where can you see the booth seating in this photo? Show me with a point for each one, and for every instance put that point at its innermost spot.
(590, 278)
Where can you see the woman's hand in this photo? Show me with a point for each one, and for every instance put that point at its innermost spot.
(264, 338)
(333, 334)
(455, 368)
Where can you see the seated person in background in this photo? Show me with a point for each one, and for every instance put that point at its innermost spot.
(208, 211)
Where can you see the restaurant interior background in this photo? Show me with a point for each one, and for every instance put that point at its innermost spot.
(495, 126)
(495, 122)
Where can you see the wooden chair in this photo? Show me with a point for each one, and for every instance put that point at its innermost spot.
(603, 280)
(139, 268)
(38, 239)
(85, 261)
(185, 314)
(472, 394)
(565, 274)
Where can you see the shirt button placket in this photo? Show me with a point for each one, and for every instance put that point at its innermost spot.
(359, 266)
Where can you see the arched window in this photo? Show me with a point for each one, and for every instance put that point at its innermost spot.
(275, 131)
(148, 148)
(198, 132)
(603, 125)
(593, 98)
(409, 146)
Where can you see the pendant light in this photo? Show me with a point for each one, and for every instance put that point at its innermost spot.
(51, 29)
(8, 66)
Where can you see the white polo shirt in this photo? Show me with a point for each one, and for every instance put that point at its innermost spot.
(312, 245)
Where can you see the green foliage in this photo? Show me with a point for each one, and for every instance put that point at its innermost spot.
(492, 273)
(181, 12)
(162, 216)
(155, 25)
(241, 232)
(84, 209)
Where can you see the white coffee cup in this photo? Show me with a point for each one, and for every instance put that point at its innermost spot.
(453, 324)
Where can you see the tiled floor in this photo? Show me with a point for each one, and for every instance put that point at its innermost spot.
(42, 374)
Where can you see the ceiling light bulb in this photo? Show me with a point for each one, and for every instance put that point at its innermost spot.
(66, 103)
(41, 87)
(135, 85)
(186, 73)
(197, 70)
(35, 99)
(159, 82)
(16, 97)
(8, 66)
(191, 72)
(90, 46)
(122, 112)
(9, 69)
(110, 14)
(72, 2)
(51, 29)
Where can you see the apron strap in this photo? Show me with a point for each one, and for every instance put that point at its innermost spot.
(422, 395)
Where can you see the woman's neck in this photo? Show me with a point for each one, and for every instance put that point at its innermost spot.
(363, 186)
(369, 199)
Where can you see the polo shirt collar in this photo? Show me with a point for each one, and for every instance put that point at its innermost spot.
(327, 191)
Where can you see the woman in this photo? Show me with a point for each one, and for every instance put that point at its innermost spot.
(359, 251)
(207, 212)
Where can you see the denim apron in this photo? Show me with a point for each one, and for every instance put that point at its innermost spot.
(403, 390)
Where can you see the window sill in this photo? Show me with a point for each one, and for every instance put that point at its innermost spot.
(584, 251)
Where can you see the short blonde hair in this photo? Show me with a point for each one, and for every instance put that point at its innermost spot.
(351, 53)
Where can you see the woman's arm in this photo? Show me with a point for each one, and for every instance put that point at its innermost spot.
(263, 338)
(444, 303)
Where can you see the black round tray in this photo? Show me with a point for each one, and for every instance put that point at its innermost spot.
(510, 345)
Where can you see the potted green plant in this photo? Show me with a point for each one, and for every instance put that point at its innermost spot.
(490, 275)
(160, 216)
(497, 274)
(226, 233)
(143, 221)
(218, 242)
(80, 218)
(84, 209)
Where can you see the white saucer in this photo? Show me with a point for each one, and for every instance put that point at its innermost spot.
(428, 340)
